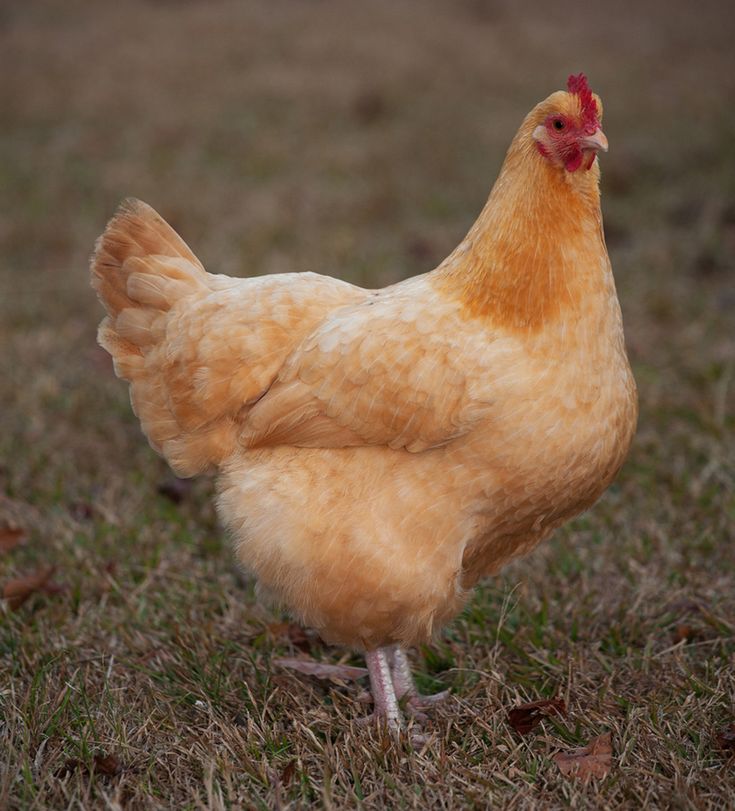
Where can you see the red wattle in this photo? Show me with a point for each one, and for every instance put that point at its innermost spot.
(572, 163)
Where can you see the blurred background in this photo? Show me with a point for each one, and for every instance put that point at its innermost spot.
(358, 140)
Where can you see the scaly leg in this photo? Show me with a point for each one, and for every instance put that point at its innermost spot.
(381, 685)
(404, 685)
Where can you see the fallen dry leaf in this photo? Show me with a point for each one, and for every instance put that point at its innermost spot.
(593, 760)
(527, 716)
(17, 591)
(322, 670)
(107, 765)
(295, 634)
(288, 772)
(11, 537)
(685, 633)
(726, 739)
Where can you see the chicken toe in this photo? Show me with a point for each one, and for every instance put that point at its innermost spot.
(405, 687)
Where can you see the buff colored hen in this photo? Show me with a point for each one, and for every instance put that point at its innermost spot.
(379, 451)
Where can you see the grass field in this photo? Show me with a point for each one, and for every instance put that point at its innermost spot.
(358, 140)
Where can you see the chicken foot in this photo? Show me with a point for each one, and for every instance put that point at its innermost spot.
(390, 682)
(405, 687)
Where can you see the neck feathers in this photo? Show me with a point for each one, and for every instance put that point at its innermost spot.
(536, 249)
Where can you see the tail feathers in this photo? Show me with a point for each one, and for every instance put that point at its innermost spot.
(141, 260)
(141, 269)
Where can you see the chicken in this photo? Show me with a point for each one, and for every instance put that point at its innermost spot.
(378, 452)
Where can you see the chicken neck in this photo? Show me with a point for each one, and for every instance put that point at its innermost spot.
(537, 248)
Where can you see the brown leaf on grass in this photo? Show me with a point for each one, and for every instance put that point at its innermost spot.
(295, 634)
(593, 760)
(17, 591)
(310, 667)
(106, 765)
(11, 537)
(685, 633)
(726, 739)
(526, 717)
(288, 772)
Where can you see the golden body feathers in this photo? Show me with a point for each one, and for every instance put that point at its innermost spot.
(380, 451)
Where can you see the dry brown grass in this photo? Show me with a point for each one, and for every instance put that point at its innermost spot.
(358, 140)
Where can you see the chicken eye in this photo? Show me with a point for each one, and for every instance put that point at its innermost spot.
(558, 124)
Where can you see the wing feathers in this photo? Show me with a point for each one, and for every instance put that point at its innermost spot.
(370, 375)
(197, 349)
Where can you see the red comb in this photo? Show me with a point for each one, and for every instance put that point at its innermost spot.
(577, 85)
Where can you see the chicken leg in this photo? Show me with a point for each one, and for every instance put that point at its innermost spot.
(390, 682)
(385, 702)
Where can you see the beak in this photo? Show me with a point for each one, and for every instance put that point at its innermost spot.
(596, 141)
